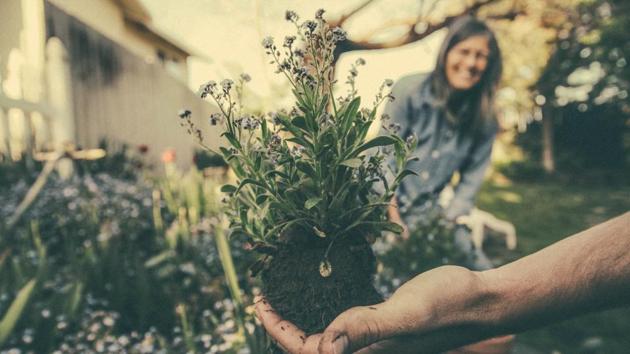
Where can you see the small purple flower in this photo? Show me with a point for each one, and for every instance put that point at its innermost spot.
(411, 139)
(184, 114)
(275, 140)
(267, 42)
(310, 25)
(291, 16)
(320, 14)
(227, 85)
(288, 41)
(215, 118)
(338, 34)
(297, 151)
(245, 77)
(395, 127)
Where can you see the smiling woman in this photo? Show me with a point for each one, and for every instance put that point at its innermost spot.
(466, 62)
(450, 114)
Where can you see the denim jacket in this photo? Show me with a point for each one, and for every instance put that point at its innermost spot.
(442, 149)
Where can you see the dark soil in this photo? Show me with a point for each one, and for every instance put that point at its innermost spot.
(294, 287)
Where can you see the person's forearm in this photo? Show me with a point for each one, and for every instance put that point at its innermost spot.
(450, 306)
(583, 273)
(580, 274)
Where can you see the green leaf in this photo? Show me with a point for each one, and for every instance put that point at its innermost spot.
(364, 208)
(228, 188)
(323, 104)
(349, 114)
(283, 226)
(377, 225)
(383, 140)
(354, 163)
(75, 299)
(247, 181)
(299, 122)
(389, 226)
(273, 173)
(265, 130)
(262, 198)
(226, 153)
(157, 259)
(306, 168)
(13, 314)
(244, 219)
(311, 202)
(258, 162)
(232, 139)
(404, 174)
(301, 141)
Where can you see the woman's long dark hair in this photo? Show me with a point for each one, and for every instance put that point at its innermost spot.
(478, 101)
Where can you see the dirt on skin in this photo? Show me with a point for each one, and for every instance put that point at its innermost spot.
(294, 287)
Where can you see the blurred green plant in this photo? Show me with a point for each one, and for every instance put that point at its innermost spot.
(430, 245)
(104, 264)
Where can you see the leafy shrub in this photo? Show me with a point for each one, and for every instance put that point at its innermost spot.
(114, 268)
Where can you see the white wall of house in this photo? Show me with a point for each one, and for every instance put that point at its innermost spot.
(10, 28)
(106, 17)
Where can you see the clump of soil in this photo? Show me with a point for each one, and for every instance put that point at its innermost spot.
(294, 287)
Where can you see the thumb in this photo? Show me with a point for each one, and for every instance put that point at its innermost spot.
(356, 328)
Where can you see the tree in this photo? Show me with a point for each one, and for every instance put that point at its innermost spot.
(418, 26)
(587, 71)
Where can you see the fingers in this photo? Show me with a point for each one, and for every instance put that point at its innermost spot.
(354, 329)
(288, 336)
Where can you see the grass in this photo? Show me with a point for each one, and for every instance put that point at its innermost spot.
(545, 210)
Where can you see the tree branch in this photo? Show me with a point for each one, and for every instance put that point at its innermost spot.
(412, 35)
(346, 16)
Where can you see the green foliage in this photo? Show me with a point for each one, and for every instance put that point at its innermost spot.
(122, 161)
(429, 245)
(584, 89)
(15, 310)
(312, 169)
(109, 276)
(204, 159)
(546, 210)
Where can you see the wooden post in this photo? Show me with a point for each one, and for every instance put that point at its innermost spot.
(549, 163)
(60, 98)
(6, 134)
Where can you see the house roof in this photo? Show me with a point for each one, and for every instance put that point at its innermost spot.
(138, 17)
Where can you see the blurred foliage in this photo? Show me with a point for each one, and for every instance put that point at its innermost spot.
(121, 161)
(204, 159)
(545, 210)
(584, 86)
(430, 244)
(101, 263)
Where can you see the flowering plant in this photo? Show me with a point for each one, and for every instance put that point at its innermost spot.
(305, 168)
(308, 178)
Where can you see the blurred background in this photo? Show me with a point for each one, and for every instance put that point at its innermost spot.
(112, 236)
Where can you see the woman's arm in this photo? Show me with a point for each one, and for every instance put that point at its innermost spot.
(471, 176)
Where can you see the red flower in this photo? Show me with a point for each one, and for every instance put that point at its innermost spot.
(168, 156)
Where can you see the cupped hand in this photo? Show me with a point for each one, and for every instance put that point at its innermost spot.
(408, 322)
